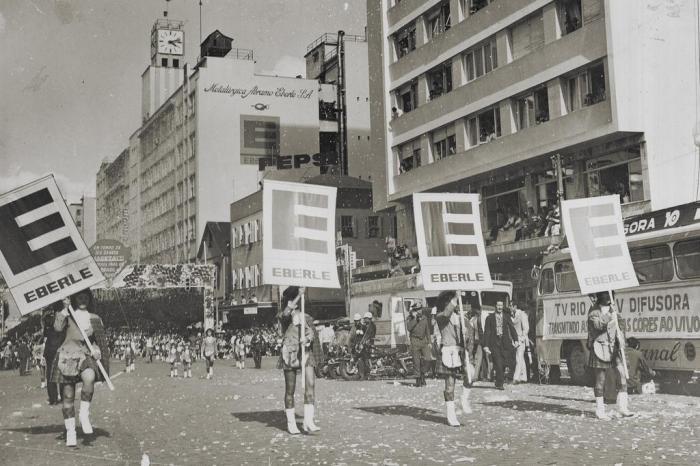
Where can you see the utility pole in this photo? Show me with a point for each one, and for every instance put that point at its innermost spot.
(556, 163)
(342, 110)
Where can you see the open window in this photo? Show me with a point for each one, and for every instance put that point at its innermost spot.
(440, 80)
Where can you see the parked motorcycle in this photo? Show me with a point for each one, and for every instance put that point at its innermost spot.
(384, 363)
(330, 366)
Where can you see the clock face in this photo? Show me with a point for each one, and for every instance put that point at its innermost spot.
(170, 42)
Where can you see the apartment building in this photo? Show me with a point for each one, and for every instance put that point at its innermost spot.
(503, 98)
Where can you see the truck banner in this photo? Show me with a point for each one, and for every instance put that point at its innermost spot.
(664, 312)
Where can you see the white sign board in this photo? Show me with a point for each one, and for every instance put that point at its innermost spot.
(43, 258)
(250, 310)
(597, 242)
(299, 235)
(450, 243)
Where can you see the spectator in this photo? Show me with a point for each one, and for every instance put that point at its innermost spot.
(637, 367)
(327, 336)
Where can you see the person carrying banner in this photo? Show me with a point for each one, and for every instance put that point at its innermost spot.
(289, 326)
(75, 363)
(209, 351)
(418, 326)
(457, 344)
(500, 339)
(604, 350)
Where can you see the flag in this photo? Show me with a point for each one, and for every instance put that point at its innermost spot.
(451, 247)
(299, 235)
(43, 258)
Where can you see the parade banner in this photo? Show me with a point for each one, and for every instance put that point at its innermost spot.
(450, 243)
(43, 258)
(597, 242)
(165, 276)
(111, 256)
(661, 313)
(299, 235)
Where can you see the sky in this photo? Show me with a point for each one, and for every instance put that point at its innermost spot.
(70, 71)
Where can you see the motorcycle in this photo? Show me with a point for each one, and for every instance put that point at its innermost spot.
(383, 363)
(330, 366)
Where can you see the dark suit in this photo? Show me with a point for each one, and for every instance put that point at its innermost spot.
(501, 347)
(52, 342)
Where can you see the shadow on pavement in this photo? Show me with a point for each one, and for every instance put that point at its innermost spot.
(61, 430)
(566, 398)
(420, 414)
(274, 418)
(535, 406)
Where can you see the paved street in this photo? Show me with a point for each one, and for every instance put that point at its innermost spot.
(237, 418)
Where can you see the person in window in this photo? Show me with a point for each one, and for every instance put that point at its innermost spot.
(395, 113)
(621, 190)
(553, 222)
(396, 269)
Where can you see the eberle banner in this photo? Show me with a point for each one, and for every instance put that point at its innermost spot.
(43, 258)
(450, 242)
(597, 242)
(299, 235)
(665, 312)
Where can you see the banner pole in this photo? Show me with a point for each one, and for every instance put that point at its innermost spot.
(464, 337)
(620, 337)
(89, 345)
(303, 343)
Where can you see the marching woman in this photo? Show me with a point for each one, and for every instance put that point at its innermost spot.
(605, 353)
(455, 352)
(209, 351)
(289, 320)
(75, 363)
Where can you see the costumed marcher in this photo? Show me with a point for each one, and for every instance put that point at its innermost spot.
(457, 345)
(418, 326)
(240, 353)
(500, 339)
(605, 353)
(52, 341)
(129, 355)
(522, 328)
(38, 359)
(256, 345)
(209, 351)
(187, 362)
(75, 363)
(289, 326)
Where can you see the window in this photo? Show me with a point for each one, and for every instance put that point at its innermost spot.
(439, 20)
(373, 227)
(164, 62)
(444, 142)
(617, 173)
(687, 258)
(586, 88)
(652, 264)
(565, 276)
(176, 63)
(547, 281)
(570, 15)
(532, 109)
(472, 6)
(484, 127)
(405, 40)
(440, 80)
(346, 226)
(481, 60)
(527, 35)
(407, 97)
(409, 156)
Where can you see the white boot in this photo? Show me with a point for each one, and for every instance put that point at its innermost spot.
(600, 409)
(84, 416)
(622, 405)
(451, 414)
(309, 425)
(466, 406)
(71, 437)
(291, 422)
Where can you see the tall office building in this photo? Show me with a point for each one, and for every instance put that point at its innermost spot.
(502, 98)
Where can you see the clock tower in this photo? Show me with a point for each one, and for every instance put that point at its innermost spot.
(165, 73)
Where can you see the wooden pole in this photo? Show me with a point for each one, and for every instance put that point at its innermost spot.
(464, 337)
(303, 342)
(620, 337)
(89, 345)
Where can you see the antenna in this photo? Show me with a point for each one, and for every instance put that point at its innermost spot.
(200, 21)
(165, 12)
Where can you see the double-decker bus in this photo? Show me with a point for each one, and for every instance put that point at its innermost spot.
(663, 312)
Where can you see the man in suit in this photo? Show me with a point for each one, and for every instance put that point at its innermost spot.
(418, 326)
(500, 339)
(522, 328)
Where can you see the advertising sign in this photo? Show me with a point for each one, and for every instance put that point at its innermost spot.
(664, 312)
(43, 258)
(450, 243)
(111, 256)
(260, 138)
(597, 242)
(299, 235)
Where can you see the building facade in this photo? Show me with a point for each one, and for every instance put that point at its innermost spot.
(84, 215)
(522, 100)
(112, 199)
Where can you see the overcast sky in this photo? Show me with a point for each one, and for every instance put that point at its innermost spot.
(70, 71)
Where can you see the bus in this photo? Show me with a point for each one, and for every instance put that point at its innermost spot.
(389, 299)
(663, 312)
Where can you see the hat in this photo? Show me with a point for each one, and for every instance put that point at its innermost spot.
(433, 311)
(415, 305)
(368, 315)
(357, 316)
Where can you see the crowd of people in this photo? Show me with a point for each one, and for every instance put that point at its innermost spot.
(516, 225)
